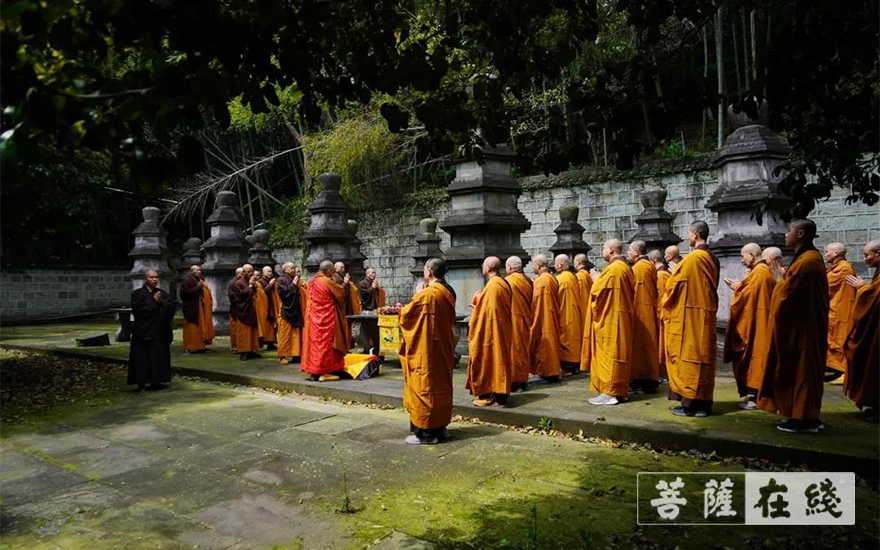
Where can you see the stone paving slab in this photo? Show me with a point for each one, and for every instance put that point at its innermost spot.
(848, 443)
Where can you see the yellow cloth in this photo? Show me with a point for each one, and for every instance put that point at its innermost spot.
(490, 365)
(747, 339)
(265, 325)
(690, 305)
(571, 328)
(427, 356)
(289, 337)
(611, 340)
(646, 354)
(794, 377)
(544, 336)
(840, 313)
(863, 348)
(521, 315)
(662, 277)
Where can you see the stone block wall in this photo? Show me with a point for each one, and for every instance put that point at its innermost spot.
(48, 293)
(608, 208)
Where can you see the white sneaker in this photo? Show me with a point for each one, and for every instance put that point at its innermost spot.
(747, 405)
(603, 399)
(415, 440)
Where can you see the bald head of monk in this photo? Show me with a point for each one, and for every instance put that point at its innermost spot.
(580, 262)
(268, 272)
(751, 255)
(339, 267)
(151, 278)
(672, 254)
(513, 265)
(196, 270)
(239, 272)
(611, 249)
(539, 264)
(835, 252)
(435, 268)
(872, 254)
(288, 269)
(656, 258)
(247, 270)
(800, 234)
(561, 263)
(698, 233)
(326, 267)
(491, 266)
(637, 249)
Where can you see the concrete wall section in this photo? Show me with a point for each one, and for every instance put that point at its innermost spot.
(48, 293)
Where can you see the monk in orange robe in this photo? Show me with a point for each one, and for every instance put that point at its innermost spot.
(773, 256)
(662, 277)
(427, 356)
(842, 298)
(324, 339)
(197, 306)
(233, 332)
(490, 332)
(581, 268)
(265, 308)
(611, 337)
(690, 305)
(521, 321)
(747, 338)
(793, 380)
(290, 313)
(571, 318)
(645, 370)
(544, 336)
(241, 304)
(862, 347)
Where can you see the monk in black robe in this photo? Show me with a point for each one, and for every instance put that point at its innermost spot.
(150, 352)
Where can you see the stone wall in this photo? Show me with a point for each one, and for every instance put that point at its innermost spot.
(608, 205)
(50, 293)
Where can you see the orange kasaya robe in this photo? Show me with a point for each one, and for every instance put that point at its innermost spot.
(747, 339)
(862, 348)
(571, 328)
(490, 332)
(645, 350)
(380, 297)
(586, 282)
(289, 336)
(794, 377)
(544, 333)
(324, 335)
(241, 306)
(266, 325)
(840, 313)
(662, 277)
(690, 305)
(355, 299)
(198, 319)
(427, 356)
(611, 336)
(521, 316)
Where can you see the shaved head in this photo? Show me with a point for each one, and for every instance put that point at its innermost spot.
(700, 229)
(671, 253)
(655, 256)
(238, 271)
(437, 267)
(872, 254)
(195, 268)
(151, 273)
(339, 267)
(873, 246)
(268, 271)
(638, 246)
(326, 267)
(561, 262)
(539, 260)
(752, 248)
(287, 265)
(580, 261)
(807, 226)
(513, 265)
(247, 270)
(615, 245)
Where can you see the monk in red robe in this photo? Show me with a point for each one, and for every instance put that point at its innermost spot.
(490, 331)
(645, 369)
(747, 338)
(521, 321)
(690, 305)
(545, 324)
(862, 347)
(241, 304)
(197, 306)
(842, 298)
(291, 314)
(324, 338)
(793, 379)
(427, 356)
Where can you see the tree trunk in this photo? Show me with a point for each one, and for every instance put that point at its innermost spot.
(719, 63)
(297, 137)
(742, 13)
(754, 48)
(705, 78)
(739, 90)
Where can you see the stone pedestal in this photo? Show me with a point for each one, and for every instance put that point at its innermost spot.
(569, 235)
(355, 265)
(655, 223)
(150, 251)
(427, 247)
(329, 235)
(259, 254)
(191, 256)
(223, 254)
(746, 164)
(484, 221)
